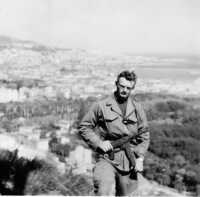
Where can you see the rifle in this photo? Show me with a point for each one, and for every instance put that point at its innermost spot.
(124, 144)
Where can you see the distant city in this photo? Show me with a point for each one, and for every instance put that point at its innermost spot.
(80, 73)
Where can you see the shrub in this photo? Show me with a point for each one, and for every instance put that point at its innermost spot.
(20, 176)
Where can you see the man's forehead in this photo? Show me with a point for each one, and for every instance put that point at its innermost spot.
(125, 82)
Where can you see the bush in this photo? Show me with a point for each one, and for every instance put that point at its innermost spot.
(175, 105)
(20, 176)
(169, 106)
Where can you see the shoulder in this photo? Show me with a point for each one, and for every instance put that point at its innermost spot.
(106, 101)
(136, 102)
(100, 103)
(139, 107)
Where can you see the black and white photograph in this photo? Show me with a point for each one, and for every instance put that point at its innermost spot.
(100, 98)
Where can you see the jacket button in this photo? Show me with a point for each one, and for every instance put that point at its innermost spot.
(125, 121)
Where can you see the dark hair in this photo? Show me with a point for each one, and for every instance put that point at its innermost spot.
(128, 75)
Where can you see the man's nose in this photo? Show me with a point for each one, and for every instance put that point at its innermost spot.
(126, 89)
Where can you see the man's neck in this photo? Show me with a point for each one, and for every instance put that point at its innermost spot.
(119, 99)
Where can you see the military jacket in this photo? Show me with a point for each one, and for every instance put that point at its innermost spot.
(104, 121)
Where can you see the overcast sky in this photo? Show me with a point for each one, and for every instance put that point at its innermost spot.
(166, 26)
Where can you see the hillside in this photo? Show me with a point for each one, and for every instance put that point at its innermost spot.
(50, 126)
(43, 173)
(45, 92)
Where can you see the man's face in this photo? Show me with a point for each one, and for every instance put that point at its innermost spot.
(124, 87)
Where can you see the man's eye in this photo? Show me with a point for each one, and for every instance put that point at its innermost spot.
(121, 86)
(128, 88)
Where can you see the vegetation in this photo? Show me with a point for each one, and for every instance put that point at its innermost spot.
(174, 153)
(20, 176)
(19, 83)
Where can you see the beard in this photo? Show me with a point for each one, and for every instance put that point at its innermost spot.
(121, 96)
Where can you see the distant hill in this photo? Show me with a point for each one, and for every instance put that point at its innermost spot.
(6, 41)
(9, 42)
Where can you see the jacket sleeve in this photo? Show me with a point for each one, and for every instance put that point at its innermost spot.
(144, 138)
(88, 124)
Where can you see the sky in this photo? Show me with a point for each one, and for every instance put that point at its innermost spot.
(136, 26)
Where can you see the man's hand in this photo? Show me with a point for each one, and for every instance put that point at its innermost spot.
(105, 146)
(139, 164)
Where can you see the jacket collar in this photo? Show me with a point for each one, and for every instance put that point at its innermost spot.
(112, 103)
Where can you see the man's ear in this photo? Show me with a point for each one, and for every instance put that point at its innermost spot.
(134, 85)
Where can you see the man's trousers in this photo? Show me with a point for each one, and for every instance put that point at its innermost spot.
(109, 181)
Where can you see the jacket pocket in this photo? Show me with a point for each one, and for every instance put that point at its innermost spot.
(132, 119)
(110, 119)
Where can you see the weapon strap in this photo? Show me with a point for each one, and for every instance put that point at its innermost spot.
(137, 112)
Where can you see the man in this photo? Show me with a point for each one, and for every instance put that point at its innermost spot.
(109, 120)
